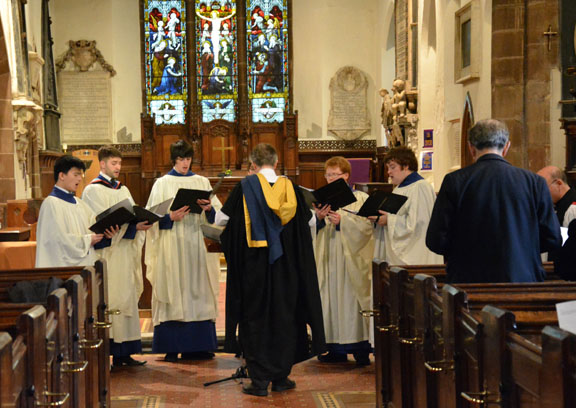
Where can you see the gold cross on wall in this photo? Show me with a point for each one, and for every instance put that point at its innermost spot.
(549, 34)
(223, 149)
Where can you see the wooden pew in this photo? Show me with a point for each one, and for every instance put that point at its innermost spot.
(25, 364)
(522, 373)
(54, 362)
(90, 339)
(387, 349)
(386, 327)
(447, 332)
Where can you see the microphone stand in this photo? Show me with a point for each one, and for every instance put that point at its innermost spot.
(241, 372)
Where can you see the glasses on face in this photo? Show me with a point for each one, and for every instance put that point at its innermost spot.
(332, 175)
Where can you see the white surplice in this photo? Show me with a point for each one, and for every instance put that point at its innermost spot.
(184, 276)
(63, 237)
(124, 265)
(344, 264)
(403, 240)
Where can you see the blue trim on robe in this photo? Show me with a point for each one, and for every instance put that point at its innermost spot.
(126, 348)
(68, 197)
(184, 337)
(211, 215)
(175, 173)
(266, 226)
(351, 348)
(320, 224)
(105, 243)
(130, 231)
(411, 179)
(166, 223)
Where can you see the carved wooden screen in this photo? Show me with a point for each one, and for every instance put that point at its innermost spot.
(217, 73)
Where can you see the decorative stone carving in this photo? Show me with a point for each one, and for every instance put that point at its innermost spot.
(348, 118)
(83, 54)
(26, 116)
(36, 66)
(399, 115)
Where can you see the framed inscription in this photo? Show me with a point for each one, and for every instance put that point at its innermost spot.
(86, 106)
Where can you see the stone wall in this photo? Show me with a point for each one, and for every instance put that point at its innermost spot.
(521, 67)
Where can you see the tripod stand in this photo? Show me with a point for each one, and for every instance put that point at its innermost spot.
(241, 372)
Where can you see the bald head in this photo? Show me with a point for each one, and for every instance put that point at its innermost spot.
(556, 180)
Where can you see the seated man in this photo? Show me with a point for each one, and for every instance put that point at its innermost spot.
(63, 236)
(563, 197)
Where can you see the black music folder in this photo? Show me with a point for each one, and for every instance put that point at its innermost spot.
(338, 194)
(381, 200)
(118, 214)
(186, 196)
(124, 212)
(308, 195)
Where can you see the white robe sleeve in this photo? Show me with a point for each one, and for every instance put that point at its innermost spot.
(405, 233)
(63, 237)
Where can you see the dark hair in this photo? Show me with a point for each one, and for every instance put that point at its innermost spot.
(340, 162)
(65, 163)
(264, 154)
(404, 156)
(181, 149)
(488, 134)
(106, 152)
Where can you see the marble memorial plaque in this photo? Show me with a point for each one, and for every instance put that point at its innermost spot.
(86, 106)
(348, 118)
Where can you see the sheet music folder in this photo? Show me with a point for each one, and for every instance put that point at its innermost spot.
(381, 200)
(338, 194)
(121, 213)
(118, 214)
(308, 195)
(186, 196)
(211, 231)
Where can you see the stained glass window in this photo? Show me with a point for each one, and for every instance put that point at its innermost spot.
(217, 67)
(267, 45)
(166, 64)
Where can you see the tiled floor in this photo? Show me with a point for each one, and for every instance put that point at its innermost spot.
(181, 384)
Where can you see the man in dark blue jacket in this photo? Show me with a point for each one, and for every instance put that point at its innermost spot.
(492, 220)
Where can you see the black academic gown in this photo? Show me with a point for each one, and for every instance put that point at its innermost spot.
(491, 221)
(565, 261)
(271, 305)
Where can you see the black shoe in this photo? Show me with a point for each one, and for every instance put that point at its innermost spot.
(126, 361)
(283, 385)
(198, 355)
(171, 357)
(252, 390)
(362, 360)
(331, 357)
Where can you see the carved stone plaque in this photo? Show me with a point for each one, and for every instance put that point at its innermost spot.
(348, 118)
(85, 103)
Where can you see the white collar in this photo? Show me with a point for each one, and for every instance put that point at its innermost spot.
(106, 177)
(66, 191)
(269, 174)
